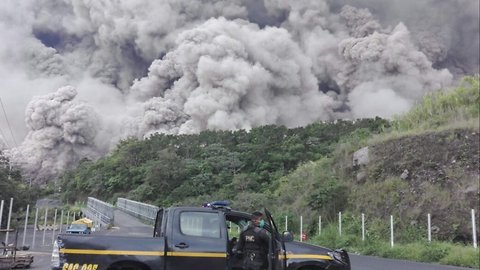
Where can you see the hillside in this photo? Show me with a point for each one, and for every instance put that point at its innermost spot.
(435, 172)
(427, 162)
(190, 169)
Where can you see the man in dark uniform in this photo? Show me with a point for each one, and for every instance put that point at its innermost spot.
(254, 244)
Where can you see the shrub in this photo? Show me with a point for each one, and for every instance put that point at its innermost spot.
(462, 256)
(434, 252)
(406, 252)
(330, 238)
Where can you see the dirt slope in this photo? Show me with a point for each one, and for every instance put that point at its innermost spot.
(435, 173)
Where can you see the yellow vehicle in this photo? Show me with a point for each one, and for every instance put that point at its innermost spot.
(85, 221)
(80, 226)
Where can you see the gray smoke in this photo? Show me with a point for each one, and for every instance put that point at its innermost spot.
(231, 75)
(446, 31)
(170, 66)
(61, 132)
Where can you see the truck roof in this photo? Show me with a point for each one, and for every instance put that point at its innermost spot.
(223, 209)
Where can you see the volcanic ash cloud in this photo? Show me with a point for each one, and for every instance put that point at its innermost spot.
(61, 131)
(231, 75)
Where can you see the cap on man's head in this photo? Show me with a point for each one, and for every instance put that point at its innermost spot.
(257, 214)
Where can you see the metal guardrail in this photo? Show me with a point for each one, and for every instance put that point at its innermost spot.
(99, 211)
(146, 212)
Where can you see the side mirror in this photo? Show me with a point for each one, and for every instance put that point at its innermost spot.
(287, 236)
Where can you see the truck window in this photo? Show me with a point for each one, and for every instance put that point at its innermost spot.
(201, 224)
(159, 230)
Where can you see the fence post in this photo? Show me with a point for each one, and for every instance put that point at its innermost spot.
(45, 226)
(429, 223)
(301, 228)
(25, 227)
(363, 227)
(286, 223)
(54, 225)
(1, 213)
(319, 225)
(68, 217)
(391, 231)
(474, 230)
(8, 220)
(35, 228)
(61, 222)
(340, 223)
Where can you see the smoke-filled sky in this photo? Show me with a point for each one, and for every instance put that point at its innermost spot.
(77, 76)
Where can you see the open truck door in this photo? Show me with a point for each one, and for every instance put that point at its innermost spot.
(277, 252)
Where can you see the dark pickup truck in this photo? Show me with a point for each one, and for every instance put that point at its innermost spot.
(196, 238)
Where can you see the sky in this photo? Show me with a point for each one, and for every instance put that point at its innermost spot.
(78, 76)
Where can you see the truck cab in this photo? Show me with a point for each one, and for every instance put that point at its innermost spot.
(199, 238)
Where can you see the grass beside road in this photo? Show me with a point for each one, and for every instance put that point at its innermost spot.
(421, 250)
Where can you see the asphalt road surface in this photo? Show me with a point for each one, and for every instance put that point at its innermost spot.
(127, 225)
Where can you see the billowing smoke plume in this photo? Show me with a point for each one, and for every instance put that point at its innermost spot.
(170, 66)
(61, 131)
(231, 75)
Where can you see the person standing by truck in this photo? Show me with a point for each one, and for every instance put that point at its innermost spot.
(253, 244)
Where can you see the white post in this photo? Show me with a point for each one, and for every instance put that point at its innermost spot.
(286, 223)
(474, 230)
(54, 224)
(301, 228)
(25, 227)
(429, 223)
(319, 225)
(35, 228)
(340, 223)
(1, 213)
(61, 222)
(363, 227)
(68, 217)
(391, 230)
(44, 226)
(230, 227)
(8, 220)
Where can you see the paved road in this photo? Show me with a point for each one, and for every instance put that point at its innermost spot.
(375, 263)
(127, 225)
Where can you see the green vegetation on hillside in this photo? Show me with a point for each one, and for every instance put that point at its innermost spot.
(444, 108)
(236, 165)
(416, 249)
(438, 142)
(13, 186)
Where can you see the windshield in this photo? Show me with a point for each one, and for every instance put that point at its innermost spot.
(77, 227)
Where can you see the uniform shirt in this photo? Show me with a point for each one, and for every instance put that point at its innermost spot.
(254, 240)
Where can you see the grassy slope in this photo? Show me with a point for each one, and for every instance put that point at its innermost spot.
(437, 141)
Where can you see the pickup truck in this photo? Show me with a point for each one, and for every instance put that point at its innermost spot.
(196, 238)
(78, 229)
